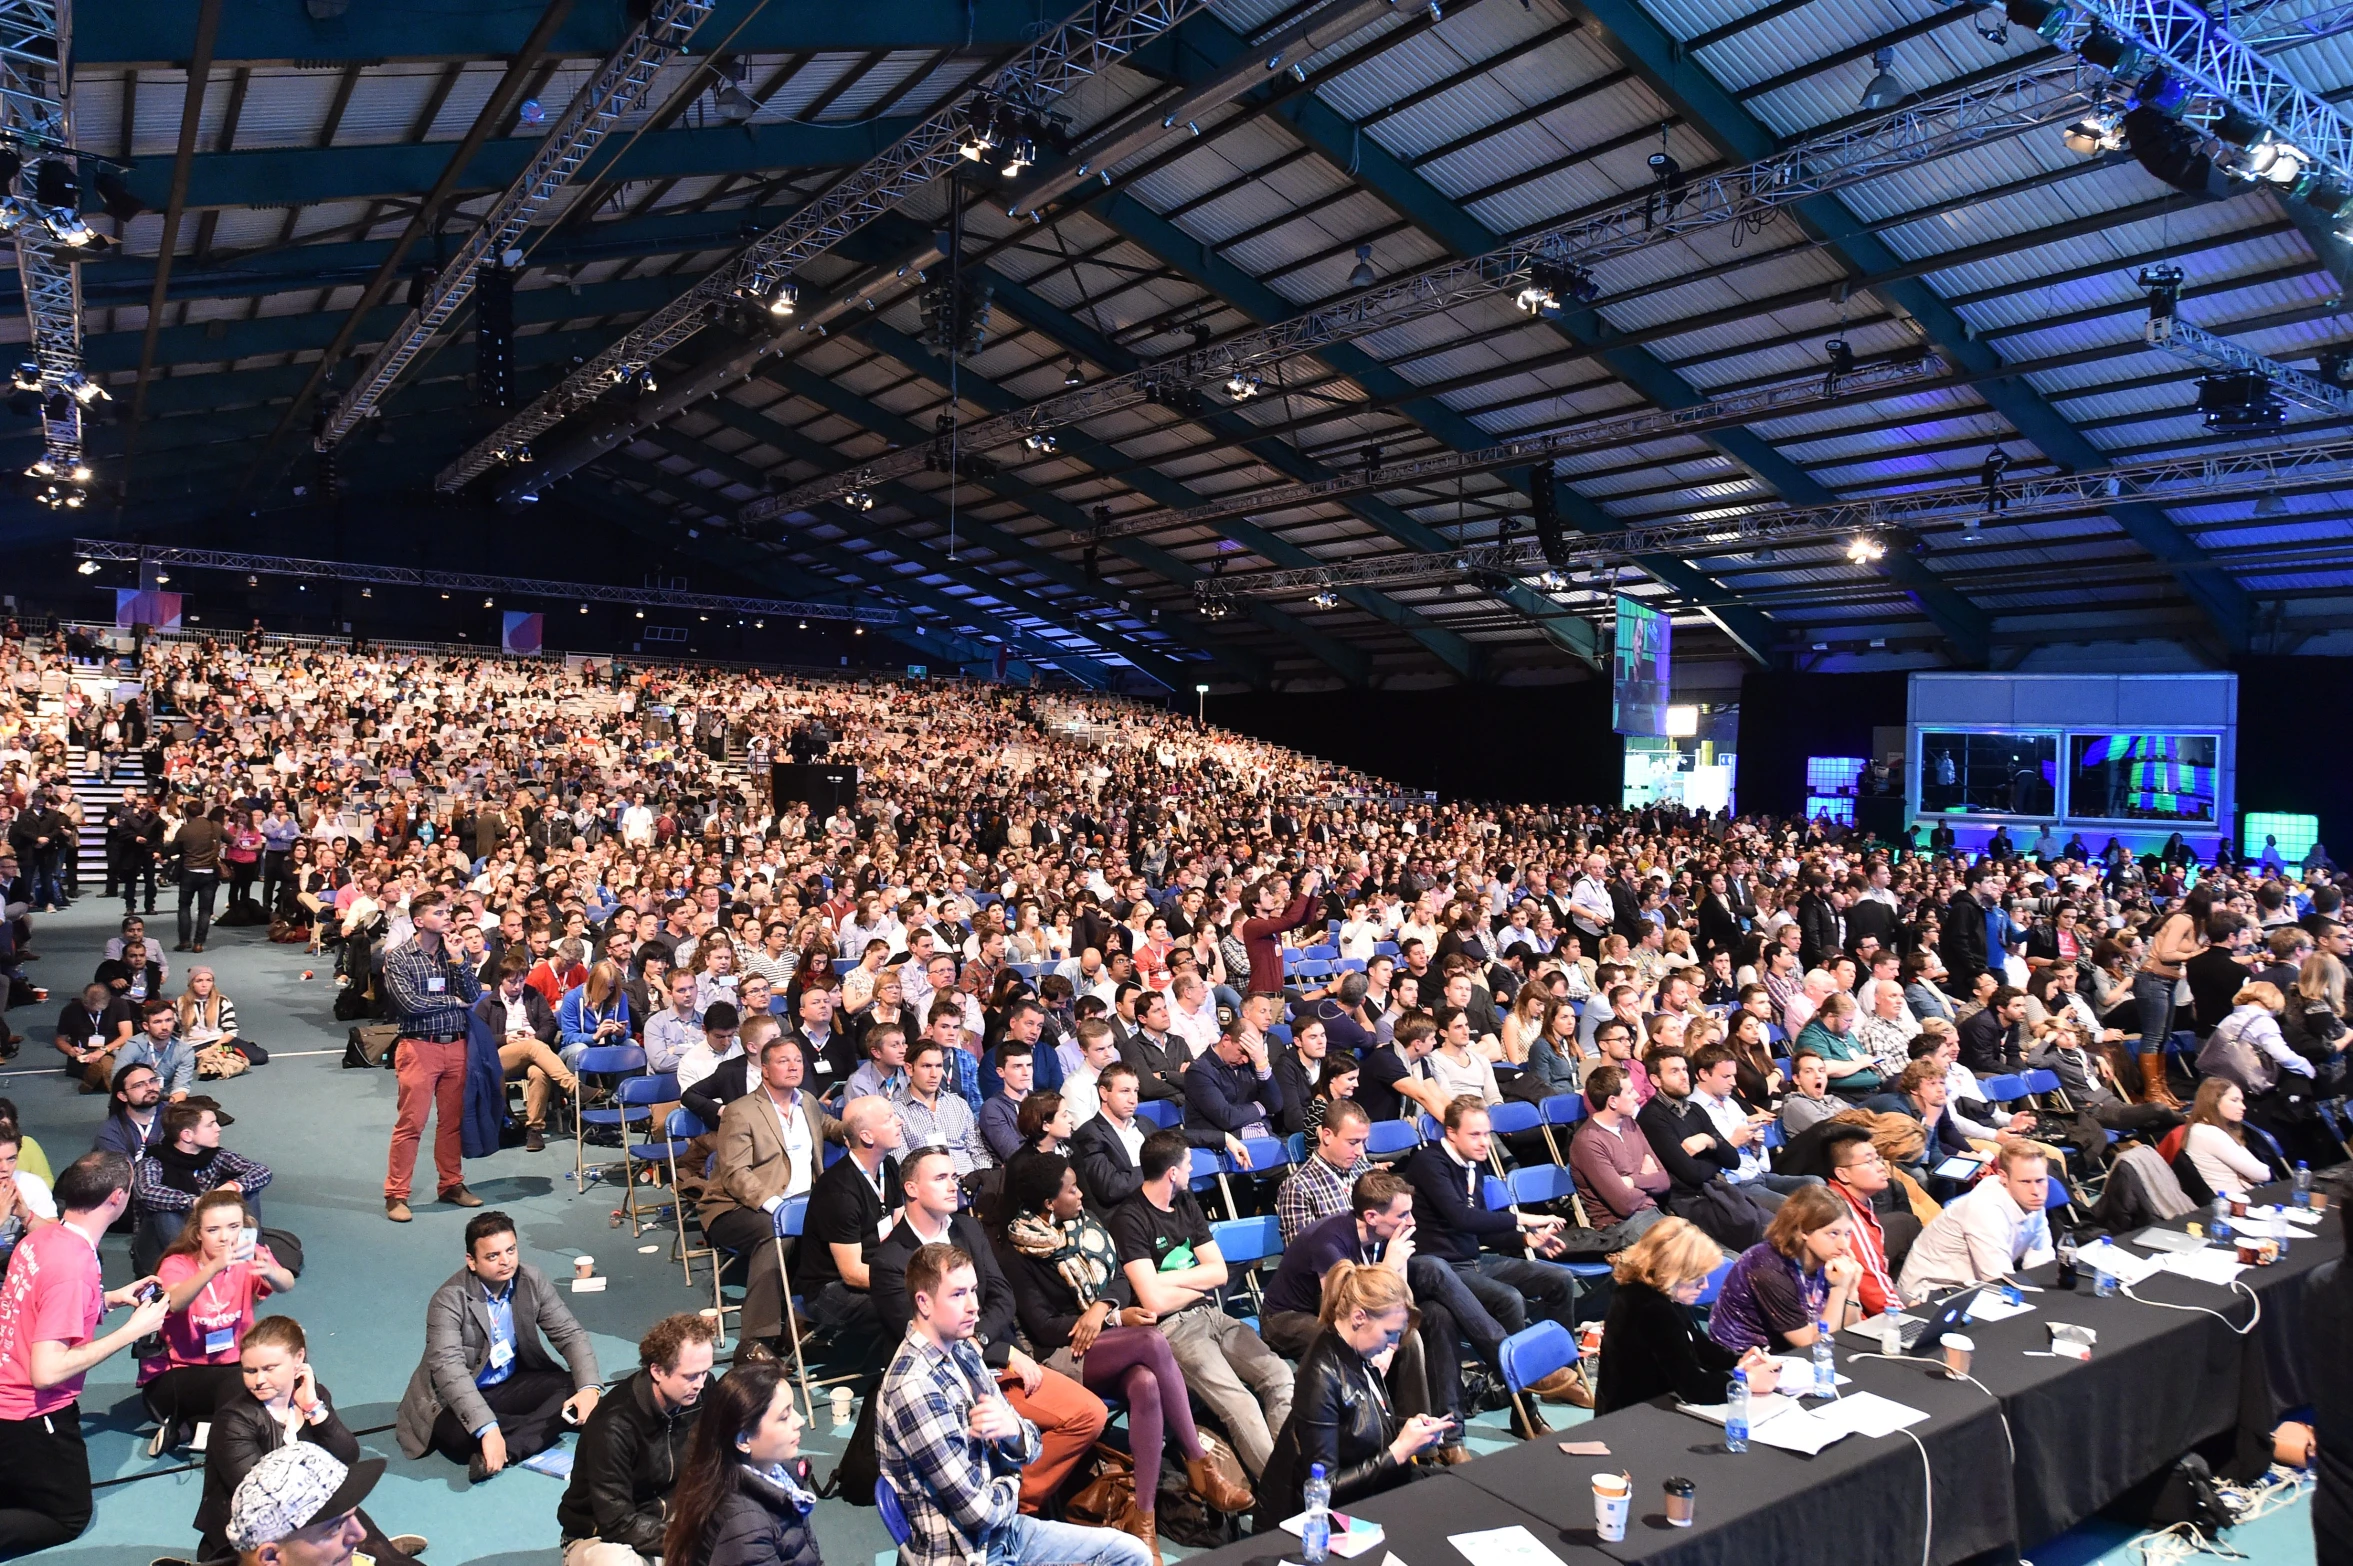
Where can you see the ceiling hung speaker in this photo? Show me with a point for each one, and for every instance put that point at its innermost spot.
(2168, 149)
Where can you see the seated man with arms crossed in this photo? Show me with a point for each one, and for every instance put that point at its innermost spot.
(952, 1447)
(1987, 1234)
(1176, 1271)
(488, 1393)
(1067, 1415)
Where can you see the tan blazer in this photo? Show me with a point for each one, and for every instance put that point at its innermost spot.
(753, 1164)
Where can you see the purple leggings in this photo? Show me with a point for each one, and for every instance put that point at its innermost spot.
(1135, 1363)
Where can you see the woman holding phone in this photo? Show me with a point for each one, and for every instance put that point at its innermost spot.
(278, 1400)
(212, 1276)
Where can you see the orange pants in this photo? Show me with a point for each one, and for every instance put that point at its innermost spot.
(1068, 1417)
(432, 1083)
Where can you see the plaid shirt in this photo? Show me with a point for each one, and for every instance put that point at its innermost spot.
(950, 1125)
(1314, 1191)
(408, 971)
(958, 1492)
(966, 1070)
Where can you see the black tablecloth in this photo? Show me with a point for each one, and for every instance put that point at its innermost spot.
(2159, 1382)
(1420, 1518)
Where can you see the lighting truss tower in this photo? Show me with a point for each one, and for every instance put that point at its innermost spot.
(2167, 331)
(2253, 471)
(36, 65)
(2048, 93)
(2226, 75)
(1067, 56)
(616, 90)
(474, 582)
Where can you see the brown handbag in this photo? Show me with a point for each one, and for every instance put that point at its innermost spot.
(1106, 1499)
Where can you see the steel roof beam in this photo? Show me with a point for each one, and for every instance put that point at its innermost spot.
(878, 573)
(1452, 650)
(276, 176)
(1350, 663)
(160, 32)
(1716, 114)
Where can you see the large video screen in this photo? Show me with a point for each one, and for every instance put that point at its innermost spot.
(1642, 682)
(1989, 774)
(2143, 777)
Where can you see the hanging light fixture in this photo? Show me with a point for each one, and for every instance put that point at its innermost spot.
(1362, 276)
(1886, 89)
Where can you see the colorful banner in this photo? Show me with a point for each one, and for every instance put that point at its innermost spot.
(1641, 686)
(523, 635)
(152, 608)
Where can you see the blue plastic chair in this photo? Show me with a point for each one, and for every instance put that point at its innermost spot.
(679, 1130)
(1531, 1354)
(1538, 1183)
(1296, 1145)
(1429, 1129)
(1513, 1116)
(2003, 1089)
(2039, 1082)
(1279, 1032)
(605, 1060)
(1715, 1284)
(1323, 953)
(1384, 948)
(1164, 1114)
(1560, 1110)
(1350, 965)
(1775, 1137)
(894, 1516)
(1244, 1243)
(1391, 1137)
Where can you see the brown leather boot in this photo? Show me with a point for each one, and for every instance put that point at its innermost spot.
(2154, 1089)
(1214, 1490)
(1138, 1526)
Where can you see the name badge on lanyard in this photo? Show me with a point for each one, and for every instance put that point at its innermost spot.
(501, 1352)
(220, 1340)
(436, 985)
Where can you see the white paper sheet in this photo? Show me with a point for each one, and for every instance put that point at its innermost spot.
(1797, 1370)
(2207, 1264)
(1760, 1409)
(1804, 1432)
(1513, 1546)
(1351, 1536)
(1991, 1307)
(2126, 1267)
(1868, 1414)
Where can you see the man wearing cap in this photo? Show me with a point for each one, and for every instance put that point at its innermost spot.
(50, 1307)
(487, 1392)
(298, 1506)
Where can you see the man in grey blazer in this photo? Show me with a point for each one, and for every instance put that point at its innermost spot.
(488, 1392)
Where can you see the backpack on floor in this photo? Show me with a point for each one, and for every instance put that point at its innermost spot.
(368, 1046)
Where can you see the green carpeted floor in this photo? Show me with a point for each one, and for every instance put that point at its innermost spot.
(323, 1131)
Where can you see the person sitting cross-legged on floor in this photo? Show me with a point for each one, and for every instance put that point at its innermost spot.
(487, 1392)
(618, 1500)
(212, 1275)
(190, 1162)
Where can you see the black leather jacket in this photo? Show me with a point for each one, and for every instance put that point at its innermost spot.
(1340, 1417)
(625, 1468)
(243, 1433)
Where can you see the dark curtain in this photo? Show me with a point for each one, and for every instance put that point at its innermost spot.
(1548, 744)
(2295, 747)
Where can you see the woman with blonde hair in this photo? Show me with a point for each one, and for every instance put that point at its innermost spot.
(596, 1014)
(1340, 1413)
(208, 1019)
(1652, 1346)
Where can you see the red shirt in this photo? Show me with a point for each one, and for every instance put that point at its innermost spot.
(1870, 1249)
(54, 1293)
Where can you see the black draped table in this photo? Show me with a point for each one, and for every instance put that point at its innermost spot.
(2159, 1382)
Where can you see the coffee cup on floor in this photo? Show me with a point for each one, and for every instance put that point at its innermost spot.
(1681, 1496)
(1613, 1497)
(1958, 1351)
(843, 1399)
(583, 1266)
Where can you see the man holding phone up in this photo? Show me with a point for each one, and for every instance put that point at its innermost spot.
(50, 1307)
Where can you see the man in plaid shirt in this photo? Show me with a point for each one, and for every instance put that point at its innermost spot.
(953, 1448)
(433, 983)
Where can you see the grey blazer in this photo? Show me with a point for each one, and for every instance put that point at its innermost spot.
(457, 1346)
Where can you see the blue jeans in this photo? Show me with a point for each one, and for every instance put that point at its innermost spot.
(2152, 997)
(1033, 1541)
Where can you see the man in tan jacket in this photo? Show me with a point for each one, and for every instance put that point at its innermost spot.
(769, 1149)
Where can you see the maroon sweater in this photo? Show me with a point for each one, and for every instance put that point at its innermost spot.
(1263, 938)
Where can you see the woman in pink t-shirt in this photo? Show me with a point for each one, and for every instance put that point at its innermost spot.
(212, 1276)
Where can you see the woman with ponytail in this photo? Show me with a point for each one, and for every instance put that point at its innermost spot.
(1340, 1413)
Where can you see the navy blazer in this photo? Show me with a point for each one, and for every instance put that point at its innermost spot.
(1448, 1223)
(1222, 1099)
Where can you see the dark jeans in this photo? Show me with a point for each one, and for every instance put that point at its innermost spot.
(276, 885)
(529, 1406)
(838, 1308)
(133, 870)
(751, 1234)
(197, 887)
(1513, 1288)
(186, 1394)
(46, 1500)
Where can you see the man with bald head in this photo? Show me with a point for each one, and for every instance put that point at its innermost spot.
(852, 1205)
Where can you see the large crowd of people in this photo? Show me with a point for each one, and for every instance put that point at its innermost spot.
(1066, 977)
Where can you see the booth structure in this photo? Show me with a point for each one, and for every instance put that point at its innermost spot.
(2135, 757)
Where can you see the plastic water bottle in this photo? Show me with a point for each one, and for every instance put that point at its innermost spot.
(2275, 1220)
(2218, 1226)
(1891, 1328)
(1736, 1413)
(2303, 1192)
(2103, 1281)
(1825, 1366)
(1315, 1533)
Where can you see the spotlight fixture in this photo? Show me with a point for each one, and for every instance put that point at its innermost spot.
(1841, 357)
(1885, 90)
(584, 608)
(859, 500)
(2240, 402)
(1299, 71)
(2270, 504)
(783, 301)
(490, 603)
(804, 625)
(88, 568)
(1327, 599)
(1038, 442)
(365, 592)
(640, 613)
(531, 112)
(1667, 187)
(81, 473)
(1362, 275)
(1023, 153)
(253, 581)
(2100, 131)
(1242, 387)
(1070, 375)
(163, 579)
(86, 391)
(1865, 548)
(26, 377)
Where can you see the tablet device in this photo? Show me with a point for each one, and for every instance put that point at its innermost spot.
(1962, 1166)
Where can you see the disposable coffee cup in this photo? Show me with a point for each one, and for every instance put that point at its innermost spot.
(583, 1266)
(842, 1401)
(2238, 1207)
(1681, 1495)
(2319, 1200)
(2250, 1251)
(1957, 1353)
(1613, 1497)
